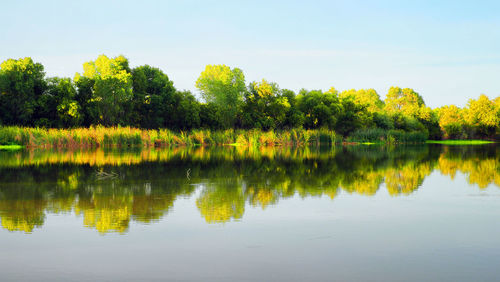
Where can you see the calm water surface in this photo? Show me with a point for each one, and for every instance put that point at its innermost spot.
(365, 213)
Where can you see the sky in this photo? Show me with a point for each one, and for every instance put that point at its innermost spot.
(447, 51)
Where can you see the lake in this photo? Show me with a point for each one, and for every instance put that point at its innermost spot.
(354, 213)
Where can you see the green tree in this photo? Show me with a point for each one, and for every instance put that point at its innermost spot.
(111, 87)
(21, 84)
(497, 109)
(382, 120)
(400, 121)
(211, 116)
(265, 106)
(320, 109)
(84, 96)
(225, 87)
(57, 106)
(294, 117)
(153, 98)
(354, 115)
(186, 114)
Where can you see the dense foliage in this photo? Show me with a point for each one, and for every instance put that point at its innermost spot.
(110, 93)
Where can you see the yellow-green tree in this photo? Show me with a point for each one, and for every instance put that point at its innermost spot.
(482, 115)
(225, 87)
(451, 121)
(406, 101)
(366, 97)
(111, 87)
(357, 110)
(409, 112)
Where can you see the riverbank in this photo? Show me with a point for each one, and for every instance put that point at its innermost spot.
(12, 138)
(10, 147)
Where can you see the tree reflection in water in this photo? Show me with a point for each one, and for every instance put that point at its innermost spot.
(146, 183)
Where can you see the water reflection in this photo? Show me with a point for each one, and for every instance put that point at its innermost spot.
(111, 188)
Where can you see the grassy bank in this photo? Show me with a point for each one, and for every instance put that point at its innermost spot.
(14, 138)
(380, 136)
(459, 142)
(10, 147)
(134, 137)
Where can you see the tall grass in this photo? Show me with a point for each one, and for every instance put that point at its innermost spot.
(377, 135)
(133, 137)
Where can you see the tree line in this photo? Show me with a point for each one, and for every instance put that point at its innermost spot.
(108, 92)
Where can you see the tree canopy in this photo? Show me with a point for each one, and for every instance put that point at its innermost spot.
(111, 87)
(21, 85)
(109, 92)
(223, 86)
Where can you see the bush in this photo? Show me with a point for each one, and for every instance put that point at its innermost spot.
(369, 135)
(388, 136)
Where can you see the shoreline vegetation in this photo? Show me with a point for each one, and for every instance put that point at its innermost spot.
(13, 138)
(111, 104)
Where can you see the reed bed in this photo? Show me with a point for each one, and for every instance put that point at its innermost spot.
(377, 135)
(99, 136)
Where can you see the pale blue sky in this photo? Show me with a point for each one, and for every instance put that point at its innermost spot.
(448, 51)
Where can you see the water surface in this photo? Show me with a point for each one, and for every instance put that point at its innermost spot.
(404, 213)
